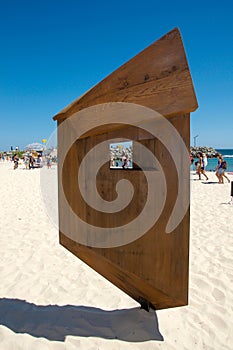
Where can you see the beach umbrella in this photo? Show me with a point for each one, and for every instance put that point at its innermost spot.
(35, 147)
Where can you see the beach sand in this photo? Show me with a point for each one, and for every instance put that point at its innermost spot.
(50, 300)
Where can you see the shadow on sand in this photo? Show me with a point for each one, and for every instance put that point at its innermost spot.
(56, 322)
(211, 183)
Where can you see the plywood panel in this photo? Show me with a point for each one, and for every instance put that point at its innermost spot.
(157, 262)
(153, 267)
(157, 78)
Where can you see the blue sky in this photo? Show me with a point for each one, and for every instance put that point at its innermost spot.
(52, 51)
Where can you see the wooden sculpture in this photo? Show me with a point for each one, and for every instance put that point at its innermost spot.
(153, 267)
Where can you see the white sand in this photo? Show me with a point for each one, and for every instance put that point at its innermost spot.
(51, 300)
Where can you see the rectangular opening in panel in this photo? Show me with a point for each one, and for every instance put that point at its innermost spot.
(121, 155)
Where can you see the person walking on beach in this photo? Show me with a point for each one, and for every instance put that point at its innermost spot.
(221, 169)
(205, 160)
(31, 162)
(201, 166)
(224, 167)
(49, 162)
(16, 161)
(219, 156)
(197, 166)
(26, 162)
(191, 159)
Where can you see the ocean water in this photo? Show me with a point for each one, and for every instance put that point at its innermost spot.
(227, 155)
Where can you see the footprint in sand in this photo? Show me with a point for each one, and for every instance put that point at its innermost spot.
(202, 284)
(217, 321)
(218, 295)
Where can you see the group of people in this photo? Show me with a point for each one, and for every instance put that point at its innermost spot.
(201, 165)
(3, 157)
(125, 162)
(221, 169)
(31, 162)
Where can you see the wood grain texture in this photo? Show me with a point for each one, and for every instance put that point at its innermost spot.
(158, 78)
(155, 266)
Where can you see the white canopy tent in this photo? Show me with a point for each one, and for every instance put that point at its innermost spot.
(34, 147)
